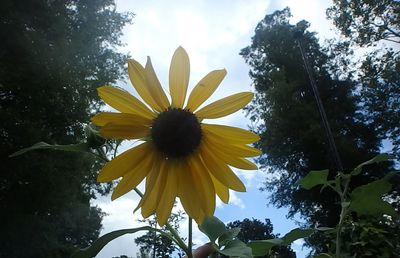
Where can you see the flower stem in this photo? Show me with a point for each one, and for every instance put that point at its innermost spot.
(343, 214)
(190, 238)
(178, 239)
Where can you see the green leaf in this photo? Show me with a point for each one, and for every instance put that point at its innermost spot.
(377, 159)
(236, 248)
(313, 178)
(97, 245)
(262, 247)
(323, 255)
(296, 234)
(213, 228)
(367, 199)
(229, 235)
(79, 147)
(324, 229)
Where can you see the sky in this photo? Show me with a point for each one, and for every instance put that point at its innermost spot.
(212, 33)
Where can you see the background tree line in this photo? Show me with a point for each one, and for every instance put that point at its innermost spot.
(53, 56)
(362, 102)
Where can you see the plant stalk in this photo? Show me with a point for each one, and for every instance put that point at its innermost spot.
(190, 238)
(343, 214)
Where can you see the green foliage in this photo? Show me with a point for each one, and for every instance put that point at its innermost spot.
(263, 247)
(287, 119)
(314, 178)
(361, 103)
(255, 229)
(372, 23)
(379, 76)
(367, 21)
(79, 147)
(374, 237)
(223, 239)
(377, 159)
(367, 199)
(53, 56)
(96, 247)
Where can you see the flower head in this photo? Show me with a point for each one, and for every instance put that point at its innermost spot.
(180, 156)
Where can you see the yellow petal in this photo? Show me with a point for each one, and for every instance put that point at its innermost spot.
(124, 131)
(124, 102)
(236, 161)
(134, 177)
(203, 185)
(238, 150)
(230, 134)
(104, 118)
(186, 192)
(123, 163)
(169, 194)
(225, 106)
(137, 75)
(155, 89)
(221, 171)
(151, 198)
(151, 180)
(221, 190)
(179, 77)
(204, 89)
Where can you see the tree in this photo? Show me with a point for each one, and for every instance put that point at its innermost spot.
(287, 119)
(157, 245)
(257, 230)
(372, 23)
(53, 56)
(367, 21)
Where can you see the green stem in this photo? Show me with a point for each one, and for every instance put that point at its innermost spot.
(343, 214)
(190, 255)
(178, 239)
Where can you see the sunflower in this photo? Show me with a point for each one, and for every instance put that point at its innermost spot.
(179, 155)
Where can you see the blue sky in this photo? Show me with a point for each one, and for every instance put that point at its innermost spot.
(213, 33)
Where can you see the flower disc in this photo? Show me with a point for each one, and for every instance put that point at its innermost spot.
(176, 132)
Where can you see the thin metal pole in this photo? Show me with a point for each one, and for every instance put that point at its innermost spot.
(335, 154)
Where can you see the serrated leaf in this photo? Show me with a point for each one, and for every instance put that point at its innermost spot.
(377, 159)
(262, 247)
(314, 178)
(236, 248)
(213, 228)
(367, 199)
(229, 235)
(295, 234)
(97, 245)
(79, 147)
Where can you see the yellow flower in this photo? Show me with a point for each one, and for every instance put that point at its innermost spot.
(180, 156)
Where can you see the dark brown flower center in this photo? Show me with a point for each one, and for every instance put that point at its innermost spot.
(176, 132)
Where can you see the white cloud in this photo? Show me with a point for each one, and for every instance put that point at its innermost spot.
(235, 200)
